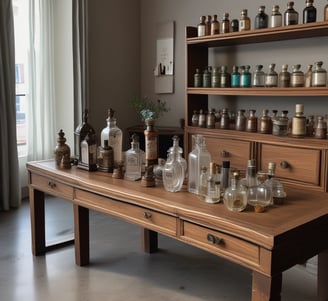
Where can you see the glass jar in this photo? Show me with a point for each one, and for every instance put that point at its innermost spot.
(276, 17)
(259, 76)
(224, 77)
(299, 122)
(280, 125)
(245, 76)
(215, 81)
(225, 120)
(284, 77)
(195, 118)
(201, 26)
(240, 121)
(198, 79)
(319, 75)
(225, 23)
(308, 77)
(320, 129)
(251, 122)
(263, 193)
(297, 77)
(278, 193)
(207, 77)
(201, 119)
(235, 77)
(215, 25)
(309, 12)
(261, 19)
(210, 119)
(290, 15)
(244, 21)
(271, 78)
(265, 123)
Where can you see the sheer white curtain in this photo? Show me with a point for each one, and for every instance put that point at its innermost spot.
(41, 113)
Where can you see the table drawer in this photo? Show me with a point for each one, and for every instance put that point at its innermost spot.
(147, 218)
(220, 243)
(52, 186)
(293, 163)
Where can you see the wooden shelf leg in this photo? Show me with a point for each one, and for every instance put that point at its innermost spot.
(266, 288)
(149, 240)
(81, 235)
(323, 276)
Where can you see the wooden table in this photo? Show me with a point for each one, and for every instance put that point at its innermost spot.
(267, 243)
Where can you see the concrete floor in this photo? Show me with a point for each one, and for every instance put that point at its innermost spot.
(119, 270)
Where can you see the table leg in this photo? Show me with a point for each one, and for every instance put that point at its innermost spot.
(149, 240)
(81, 235)
(323, 276)
(266, 288)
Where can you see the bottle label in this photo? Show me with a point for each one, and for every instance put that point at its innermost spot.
(299, 127)
(201, 30)
(319, 79)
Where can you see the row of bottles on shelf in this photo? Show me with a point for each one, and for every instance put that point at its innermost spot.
(214, 183)
(212, 26)
(241, 77)
(298, 126)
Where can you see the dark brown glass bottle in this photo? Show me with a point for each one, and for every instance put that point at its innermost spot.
(309, 12)
(225, 23)
(261, 19)
(290, 15)
(215, 25)
(208, 24)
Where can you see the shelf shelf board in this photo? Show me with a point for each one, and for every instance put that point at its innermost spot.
(253, 91)
(300, 31)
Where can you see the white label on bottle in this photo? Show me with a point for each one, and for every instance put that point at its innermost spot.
(201, 30)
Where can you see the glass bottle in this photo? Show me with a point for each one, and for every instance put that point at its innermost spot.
(309, 12)
(308, 77)
(89, 152)
(174, 169)
(133, 160)
(278, 192)
(259, 76)
(225, 23)
(276, 17)
(299, 122)
(151, 143)
(213, 186)
(325, 13)
(62, 152)
(198, 79)
(240, 121)
(320, 129)
(203, 182)
(245, 76)
(114, 135)
(210, 119)
(195, 118)
(201, 26)
(235, 196)
(197, 158)
(250, 181)
(225, 120)
(235, 77)
(265, 122)
(284, 77)
(208, 25)
(263, 191)
(271, 78)
(207, 78)
(105, 158)
(297, 77)
(244, 21)
(251, 122)
(224, 77)
(261, 19)
(215, 25)
(310, 126)
(280, 124)
(215, 81)
(225, 175)
(176, 147)
(201, 119)
(290, 15)
(234, 25)
(319, 75)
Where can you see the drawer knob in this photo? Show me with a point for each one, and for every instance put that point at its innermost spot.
(214, 239)
(51, 184)
(147, 215)
(225, 154)
(284, 165)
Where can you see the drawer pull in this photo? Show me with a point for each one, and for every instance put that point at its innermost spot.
(147, 215)
(225, 154)
(284, 165)
(51, 184)
(214, 239)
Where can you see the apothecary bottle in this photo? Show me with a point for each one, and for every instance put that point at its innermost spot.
(251, 122)
(299, 122)
(235, 196)
(210, 119)
(280, 124)
(201, 26)
(263, 191)
(207, 77)
(325, 13)
(320, 129)
(319, 75)
(297, 77)
(224, 77)
(114, 135)
(225, 119)
(225, 23)
(276, 17)
(241, 120)
(88, 159)
(201, 119)
(261, 19)
(203, 182)
(309, 12)
(290, 15)
(133, 160)
(259, 76)
(284, 77)
(198, 79)
(213, 186)
(265, 123)
(234, 25)
(278, 192)
(310, 126)
(105, 158)
(215, 80)
(225, 174)
(245, 76)
(235, 77)
(208, 24)
(308, 77)
(250, 181)
(244, 21)
(62, 152)
(151, 143)
(271, 78)
(215, 25)
(195, 118)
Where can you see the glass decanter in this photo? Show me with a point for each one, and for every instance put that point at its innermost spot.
(278, 193)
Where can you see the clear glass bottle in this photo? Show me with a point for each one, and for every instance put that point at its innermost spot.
(325, 13)
(114, 135)
(203, 182)
(198, 79)
(284, 77)
(308, 77)
(176, 147)
(299, 122)
(280, 124)
(224, 77)
(225, 120)
(225, 23)
(133, 160)
(235, 196)
(215, 81)
(213, 186)
(251, 122)
(235, 77)
(319, 75)
(207, 76)
(290, 15)
(320, 129)
(201, 26)
(105, 158)
(244, 21)
(208, 23)
(215, 25)
(261, 19)
(271, 78)
(245, 76)
(174, 169)
(309, 12)
(263, 191)
(265, 123)
(197, 158)
(259, 76)
(297, 77)
(241, 121)
(195, 118)
(250, 181)
(276, 17)
(278, 193)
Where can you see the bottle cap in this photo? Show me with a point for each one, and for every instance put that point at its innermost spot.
(299, 108)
